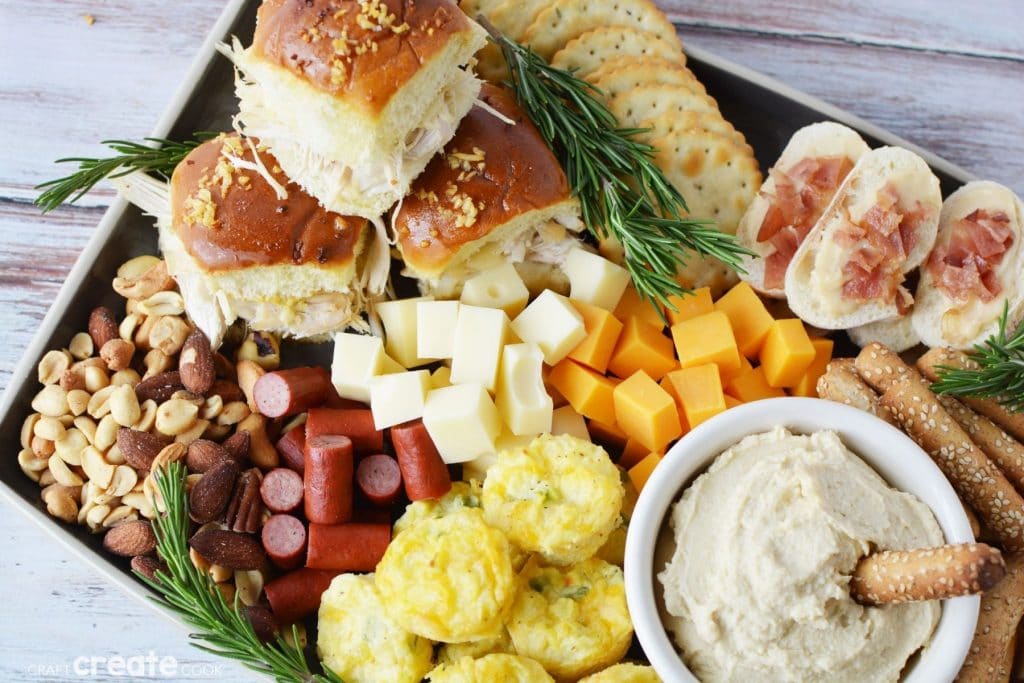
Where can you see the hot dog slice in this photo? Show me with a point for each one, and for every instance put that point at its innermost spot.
(353, 547)
(355, 423)
(379, 478)
(424, 472)
(297, 594)
(287, 392)
(284, 539)
(292, 448)
(327, 480)
(281, 490)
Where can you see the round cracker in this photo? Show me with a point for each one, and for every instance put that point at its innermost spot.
(605, 46)
(514, 17)
(564, 20)
(627, 73)
(663, 125)
(474, 7)
(649, 101)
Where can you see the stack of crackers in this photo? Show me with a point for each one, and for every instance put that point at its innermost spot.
(629, 50)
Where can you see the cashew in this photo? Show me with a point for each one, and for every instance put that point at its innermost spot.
(99, 404)
(248, 372)
(62, 473)
(131, 322)
(51, 401)
(28, 429)
(96, 467)
(249, 586)
(233, 413)
(52, 366)
(194, 432)
(212, 407)
(261, 451)
(46, 478)
(42, 448)
(220, 574)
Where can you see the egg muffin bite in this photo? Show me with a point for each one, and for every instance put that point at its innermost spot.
(614, 549)
(358, 641)
(573, 620)
(449, 578)
(462, 495)
(560, 496)
(624, 673)
(451, 653)
(490, 669)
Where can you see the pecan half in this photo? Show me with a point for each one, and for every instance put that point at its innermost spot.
(245, 511)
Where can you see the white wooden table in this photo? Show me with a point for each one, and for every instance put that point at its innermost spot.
(946, 75)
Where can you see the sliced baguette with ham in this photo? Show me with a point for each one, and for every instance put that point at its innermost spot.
(976, 267)
(799, 188)
(880, 226)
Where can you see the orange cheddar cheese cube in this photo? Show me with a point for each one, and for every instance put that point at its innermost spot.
(705, 339)
(752, 386)
(749, 318)
(727, 376)
(641, 472)
(646, 412)
(689, 306)
(699, 389)
(603, 331)
(808, 384)
(731, 402)
(556, 396)
(642, 346)
(588, 392)
(606, 434)
(632, 453)
(631, 305)
(787, 353)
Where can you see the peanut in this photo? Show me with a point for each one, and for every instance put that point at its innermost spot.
(175, 417)
(96, 379)
(62, 473)
(51, 401)
(194, 432)
(136, 267)
(169, 334)
(220, 574)
(95, 516)
(114, 456)
(87, 426)
(212, 407)
(78, 401)
(49, 428)
(28, 428)
(163, 303)
(188, 396)
(233, 413)
(140, 279)
(73, 379)
(138, 501)
(30, 464)
(81, 346)
(117, 353)
(69, 449)
(60, 502)
(46, 478)
(122, 513)
(128, 376)
(148, 418)
(106, 433)
(96, 467)
(123, 481)
(145, 328)
(155, 362)
(99, 403)
(52, 366)
(124, 405)
(42, 448)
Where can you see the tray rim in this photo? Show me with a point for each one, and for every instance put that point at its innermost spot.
(24, 370)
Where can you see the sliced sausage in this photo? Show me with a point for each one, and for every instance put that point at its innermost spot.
(287, 392)
(281, 490)
(379, 478)
(423, 471)
(291, 447)
(327, 479)
(355, 423)
(369, 515)
(353, 547)
(297, 594)
(284, 539)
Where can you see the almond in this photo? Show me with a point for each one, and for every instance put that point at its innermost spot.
(102, 326)
(130, 539)
(204, 455)
(227, 390)
(237, 446)
(139, 448)
(160, 387)
(228, 549)
(196, 363)
(213, 491)
(263, 622)
(148, 566)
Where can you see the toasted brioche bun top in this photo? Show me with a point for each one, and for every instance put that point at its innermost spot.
(362, 51)
(231, 218)
(504, 170)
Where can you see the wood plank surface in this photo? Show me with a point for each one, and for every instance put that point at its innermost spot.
(946, 75)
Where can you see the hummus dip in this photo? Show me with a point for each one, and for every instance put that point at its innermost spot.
(766, 541)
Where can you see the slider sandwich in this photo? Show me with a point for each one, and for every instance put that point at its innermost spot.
(495, 195)
(354, 98)
(243, 242)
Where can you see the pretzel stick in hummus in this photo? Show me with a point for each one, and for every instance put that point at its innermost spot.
(949, 571)
(842, 384)
(978, 481)
(1001, 448)
(1012, 423)
(1002, 608)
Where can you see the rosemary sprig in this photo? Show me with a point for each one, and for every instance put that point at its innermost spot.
(131, 156)
(1000, 371)
(221, 628)
(622, 192)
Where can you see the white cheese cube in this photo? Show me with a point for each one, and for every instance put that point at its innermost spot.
(480, 334)
(565, 420)
(357, 358)
(594, 279)
(399, 319)
(499, 287)
(551, 323)
(442, 377)
(462, 421)
(390, 366)
(399, 397)
(435, 328)
(521, 398)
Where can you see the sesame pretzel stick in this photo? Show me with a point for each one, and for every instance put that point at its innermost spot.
(842, 384)
(928, 364)
(949, 571)
(975, 478)
(1002, 608)
(881, 367)
(1001, 448)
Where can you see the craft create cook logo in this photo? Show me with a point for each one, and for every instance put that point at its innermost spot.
(149, 665)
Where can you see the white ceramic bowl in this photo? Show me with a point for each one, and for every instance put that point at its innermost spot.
(890, 452)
